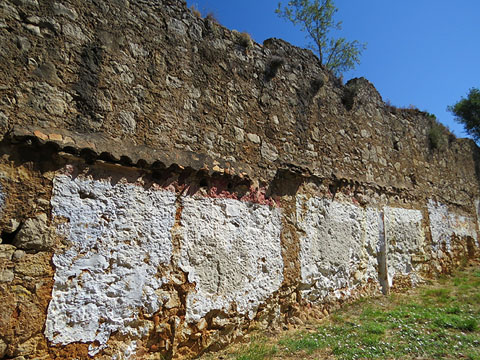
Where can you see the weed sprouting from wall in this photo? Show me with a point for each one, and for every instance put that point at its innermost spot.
(273, 66)
(245, 40)
(195, 11)
(212, 17)
(316, 84)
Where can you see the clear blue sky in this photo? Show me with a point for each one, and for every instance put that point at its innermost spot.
(420, 52)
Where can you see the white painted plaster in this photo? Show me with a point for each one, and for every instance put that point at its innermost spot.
(444, 224)
(338, 248)
(404, 238)
(117, 236)
(231, 250)
(374, 242)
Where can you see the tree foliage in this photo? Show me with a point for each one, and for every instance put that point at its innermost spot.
(316, 19)
(467, 112)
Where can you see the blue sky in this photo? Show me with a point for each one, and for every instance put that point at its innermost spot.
(424, 53)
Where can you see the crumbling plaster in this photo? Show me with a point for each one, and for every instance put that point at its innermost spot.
(231, 250)
(338, 246)
(116, 237)
(343, 246)
(444, 224)
(404, 237)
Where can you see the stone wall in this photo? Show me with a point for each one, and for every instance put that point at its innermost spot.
(165, 185)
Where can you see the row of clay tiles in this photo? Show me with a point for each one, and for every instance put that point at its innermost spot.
(98, 146)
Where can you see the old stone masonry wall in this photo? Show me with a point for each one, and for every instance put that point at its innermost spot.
(166, 184)
(109, 261)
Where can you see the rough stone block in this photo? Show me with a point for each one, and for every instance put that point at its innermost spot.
(7, 251)
(35, 235)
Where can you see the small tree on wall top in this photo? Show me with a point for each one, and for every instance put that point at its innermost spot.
(316, 19)
(467, 112)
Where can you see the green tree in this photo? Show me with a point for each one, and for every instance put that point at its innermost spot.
(467, 112)
(316, 19)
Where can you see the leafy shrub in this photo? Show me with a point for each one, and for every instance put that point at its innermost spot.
(437, 135)
(467, 112)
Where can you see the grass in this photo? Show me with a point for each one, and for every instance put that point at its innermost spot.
(244, 39)
(258, 350)
(438, 321)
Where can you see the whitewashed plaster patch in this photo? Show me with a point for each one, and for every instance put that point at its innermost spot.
(232, 251)
(338, 247)
(444, 224)
(117, 237)
(404, 238)
(374, 248)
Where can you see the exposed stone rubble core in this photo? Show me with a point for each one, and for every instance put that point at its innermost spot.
(164, 187)
(231, 251)
(149, 83)
(116, 238)
(26, 274)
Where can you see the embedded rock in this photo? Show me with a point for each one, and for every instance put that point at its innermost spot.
(35, 235)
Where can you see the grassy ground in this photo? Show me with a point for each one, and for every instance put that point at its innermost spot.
(437, 321)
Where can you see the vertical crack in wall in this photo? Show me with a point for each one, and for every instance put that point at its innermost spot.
(382, 255)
